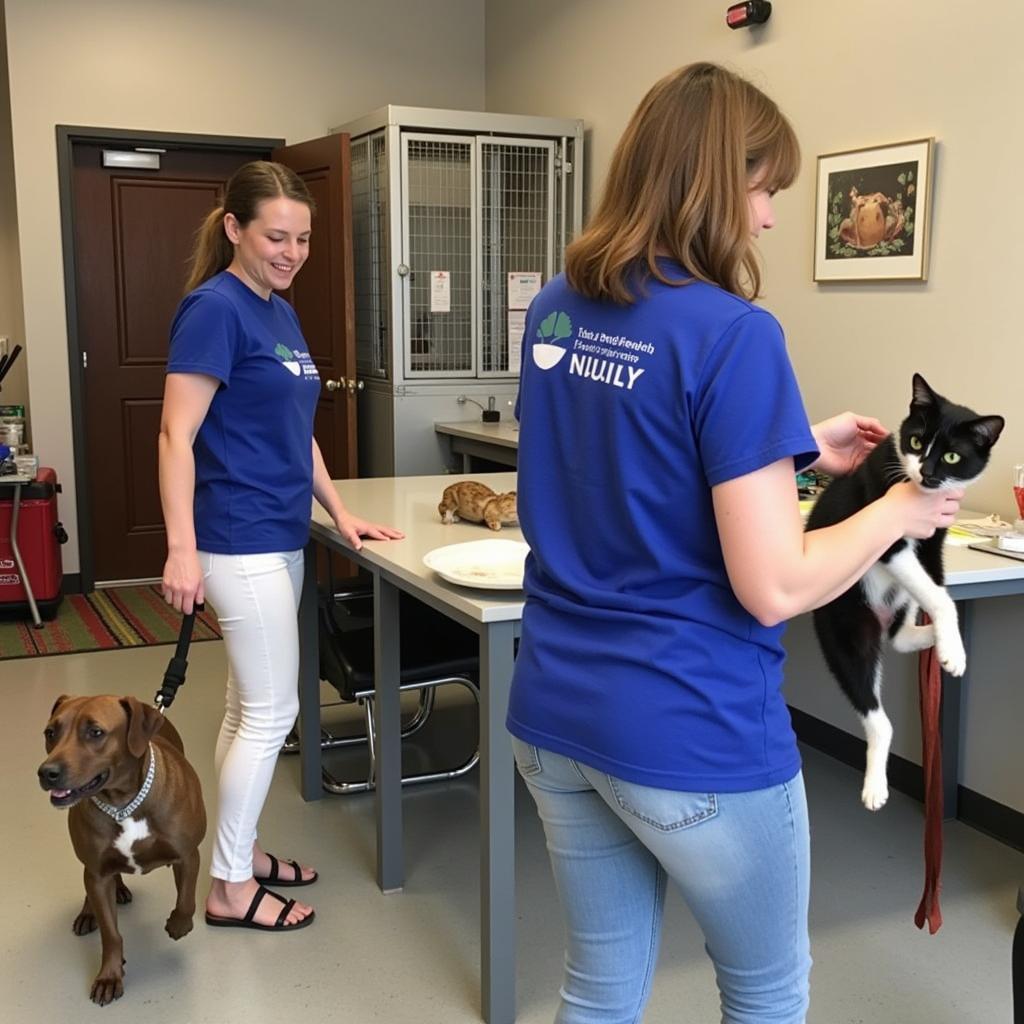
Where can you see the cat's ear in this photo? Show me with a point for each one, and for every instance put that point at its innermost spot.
(986, 429)
(923, 394)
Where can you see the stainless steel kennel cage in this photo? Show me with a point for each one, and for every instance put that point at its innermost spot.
(452, 211)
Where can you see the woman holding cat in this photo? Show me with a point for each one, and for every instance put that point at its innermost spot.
(238, 469)
(656, 489)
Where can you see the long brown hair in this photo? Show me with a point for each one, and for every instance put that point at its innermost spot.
(678, 185)
(249, 186)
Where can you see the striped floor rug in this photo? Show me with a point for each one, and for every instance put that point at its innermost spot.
(104, 620)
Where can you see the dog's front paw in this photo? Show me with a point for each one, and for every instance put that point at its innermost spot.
(875, 793)
(950, 649)
(178, 925)
(124, 894)
(107, 986)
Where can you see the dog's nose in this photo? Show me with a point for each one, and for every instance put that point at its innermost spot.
(50, 775)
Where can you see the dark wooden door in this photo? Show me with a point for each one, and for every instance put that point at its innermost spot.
(323, 294)
(133, 232)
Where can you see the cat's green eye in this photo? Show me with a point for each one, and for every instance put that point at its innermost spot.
(915, 443)
(951, 457)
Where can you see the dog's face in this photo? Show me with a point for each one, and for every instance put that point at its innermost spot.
(93, 743)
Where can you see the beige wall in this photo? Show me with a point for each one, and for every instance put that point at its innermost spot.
(12, 322)
(230, 67)
(848, 76)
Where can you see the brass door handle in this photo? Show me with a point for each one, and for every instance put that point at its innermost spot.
(350, 383)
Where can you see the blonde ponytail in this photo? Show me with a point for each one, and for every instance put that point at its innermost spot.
(212, 251)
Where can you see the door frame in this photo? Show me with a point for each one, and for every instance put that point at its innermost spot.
(67, 137)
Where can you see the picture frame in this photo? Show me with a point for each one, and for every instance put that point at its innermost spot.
(873, 213)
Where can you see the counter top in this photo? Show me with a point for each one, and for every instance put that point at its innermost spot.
(410, 504)
(502, 433)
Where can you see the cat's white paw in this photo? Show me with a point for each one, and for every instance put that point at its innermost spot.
(914, 638)
(875, 793)
(950, 649)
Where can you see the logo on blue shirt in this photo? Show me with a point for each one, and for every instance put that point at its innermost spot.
(587, 351)
(296, 362)
(555, 326)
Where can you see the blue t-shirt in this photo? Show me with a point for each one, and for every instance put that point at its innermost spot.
(254, 450)
(636, 656)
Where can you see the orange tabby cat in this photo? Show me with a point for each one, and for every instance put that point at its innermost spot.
(477, 503)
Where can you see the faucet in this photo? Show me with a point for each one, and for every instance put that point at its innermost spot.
(488, 415)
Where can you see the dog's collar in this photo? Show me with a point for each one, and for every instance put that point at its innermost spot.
(120, 813)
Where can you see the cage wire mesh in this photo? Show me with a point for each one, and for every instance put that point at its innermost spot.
(514, 213)
(381, 255)
(440, 219)
(565, 226)
(515, 235)
(369, 250)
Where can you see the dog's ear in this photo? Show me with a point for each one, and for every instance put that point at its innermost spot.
(143, 722)
(57, 703)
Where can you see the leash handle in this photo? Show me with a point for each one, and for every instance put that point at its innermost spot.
(174, 677)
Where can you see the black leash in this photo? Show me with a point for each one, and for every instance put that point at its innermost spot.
(178, 665)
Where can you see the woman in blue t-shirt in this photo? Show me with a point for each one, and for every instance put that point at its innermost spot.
(239, 468)
(660, 427)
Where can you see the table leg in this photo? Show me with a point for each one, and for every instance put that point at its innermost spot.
(310, 755)
(497, 829)
(387, 735)
(950, 718)
(1017, 955)
(15, 507)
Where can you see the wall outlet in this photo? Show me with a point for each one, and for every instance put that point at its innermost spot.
(5, 345)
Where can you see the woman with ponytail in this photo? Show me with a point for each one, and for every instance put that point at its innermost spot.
(238, 468)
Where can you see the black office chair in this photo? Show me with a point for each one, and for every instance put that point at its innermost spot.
(435, 652)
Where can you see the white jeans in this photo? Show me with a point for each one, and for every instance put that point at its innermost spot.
(257, 601)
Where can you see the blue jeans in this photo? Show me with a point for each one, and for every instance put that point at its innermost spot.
(741, 861)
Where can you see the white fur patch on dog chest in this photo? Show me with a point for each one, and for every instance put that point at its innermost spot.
(132, 831)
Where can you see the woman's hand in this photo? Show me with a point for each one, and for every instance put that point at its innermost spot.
(183, 581)
(352, 528)
(845, 441)
(923, 510)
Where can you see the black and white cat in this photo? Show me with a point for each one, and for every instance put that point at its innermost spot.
(939, 445)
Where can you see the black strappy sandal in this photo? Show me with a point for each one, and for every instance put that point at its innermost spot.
(274, 878)
(247, 922)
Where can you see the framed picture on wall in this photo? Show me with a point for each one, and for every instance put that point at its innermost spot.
(872, 214)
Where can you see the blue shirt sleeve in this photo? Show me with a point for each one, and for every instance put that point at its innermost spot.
(748, 408)
(206, 337)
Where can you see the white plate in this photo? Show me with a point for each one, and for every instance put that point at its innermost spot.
(487, 564)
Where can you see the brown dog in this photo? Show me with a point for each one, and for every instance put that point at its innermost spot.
(98, 749)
